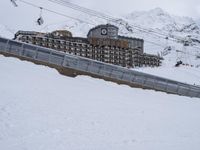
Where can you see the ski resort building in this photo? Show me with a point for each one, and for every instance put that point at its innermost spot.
(102, 43)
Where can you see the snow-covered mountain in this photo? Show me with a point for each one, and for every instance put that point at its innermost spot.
(40, 109)
(161, 20)
(164, 23)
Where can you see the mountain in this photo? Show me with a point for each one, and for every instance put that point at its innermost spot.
(41, 109)
(161, 20)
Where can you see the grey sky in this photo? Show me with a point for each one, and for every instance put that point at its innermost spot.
(24, 17)
(176, 7)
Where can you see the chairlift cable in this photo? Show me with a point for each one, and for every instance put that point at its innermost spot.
(55, 12)
(110, 18)
(106, 17)
(100, 15)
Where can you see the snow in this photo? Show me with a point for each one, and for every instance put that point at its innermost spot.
(184, 74)
(6, 31)
(41, 109)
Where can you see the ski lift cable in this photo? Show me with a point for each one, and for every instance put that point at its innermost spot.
(82, 9)
(79, 8)
(93, 13)
(28, 3)
(42, 8)
(110, 18)
(154, 43)
(104, 16)
(180, 51)
(99, 15)
(139, 28)
(55, 12)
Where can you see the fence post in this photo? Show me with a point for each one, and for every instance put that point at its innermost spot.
(198, 95)
(87, 66)
(122, 75)
(187, 94)
(49, 58)
(36, 53)
(7, 45)
(132, 78)
(145, 80)
(63, 61)
(154, 83)
(110, 74)
(166, 81)
(22, 50)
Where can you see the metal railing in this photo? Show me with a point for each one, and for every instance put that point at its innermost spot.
(102, 70)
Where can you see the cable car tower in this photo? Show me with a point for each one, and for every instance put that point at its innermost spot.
(183, 55)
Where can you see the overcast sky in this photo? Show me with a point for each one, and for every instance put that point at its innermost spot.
(24, 17)
(176, 7)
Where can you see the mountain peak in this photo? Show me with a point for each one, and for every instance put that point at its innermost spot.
(158, 11)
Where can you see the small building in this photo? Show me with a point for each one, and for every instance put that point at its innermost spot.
(102, 43)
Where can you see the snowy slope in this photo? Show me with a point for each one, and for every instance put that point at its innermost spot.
(40, 109)
(6, 31)
(159, 19)
(156, 20)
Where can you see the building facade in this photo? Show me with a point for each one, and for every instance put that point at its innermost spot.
(102, 43)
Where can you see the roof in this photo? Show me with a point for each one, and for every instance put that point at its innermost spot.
(102, 26)
(130, 38)
(28, 32)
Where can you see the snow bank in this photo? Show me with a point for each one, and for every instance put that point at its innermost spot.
(40, 109)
